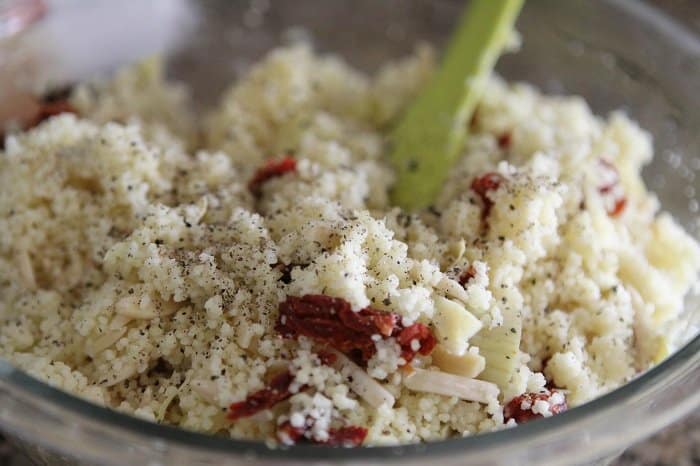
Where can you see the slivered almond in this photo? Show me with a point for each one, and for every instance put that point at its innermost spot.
(145, 307)
(452, 288)
(195, 212)
(206, 389)
(103, 342)
(163, 408)
(467, 365)
(25, 268)
(361, 383)
(457, 250)
(136, 307)
(442, 383)
(119, 322)
(454, 325)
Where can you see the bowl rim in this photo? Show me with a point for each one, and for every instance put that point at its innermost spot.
(595, 412)
(614, 404)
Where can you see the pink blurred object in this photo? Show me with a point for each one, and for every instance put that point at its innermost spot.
(16, 15)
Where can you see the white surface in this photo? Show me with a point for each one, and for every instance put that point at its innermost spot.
(109, 32)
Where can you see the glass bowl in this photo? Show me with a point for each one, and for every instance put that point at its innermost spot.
(615, 53)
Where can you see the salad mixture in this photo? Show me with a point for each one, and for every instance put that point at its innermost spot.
(244, 273)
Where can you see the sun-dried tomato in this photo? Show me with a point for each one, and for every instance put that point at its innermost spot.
(610, 187)
(47, 106)
(331, 321)
(619, 207)
(276, 391)
(287, 434)
(272, 169)
(514, 409)
(505, 140)
(327, 357)
(482, 185)
(47, 109)
(487, 182)
(466, 276)
(419, 332)
(369, 321)
(39, 108)
(348, 436)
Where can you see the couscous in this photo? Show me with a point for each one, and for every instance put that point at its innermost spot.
(246, 275)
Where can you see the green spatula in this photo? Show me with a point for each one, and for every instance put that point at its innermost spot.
(432, 131)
